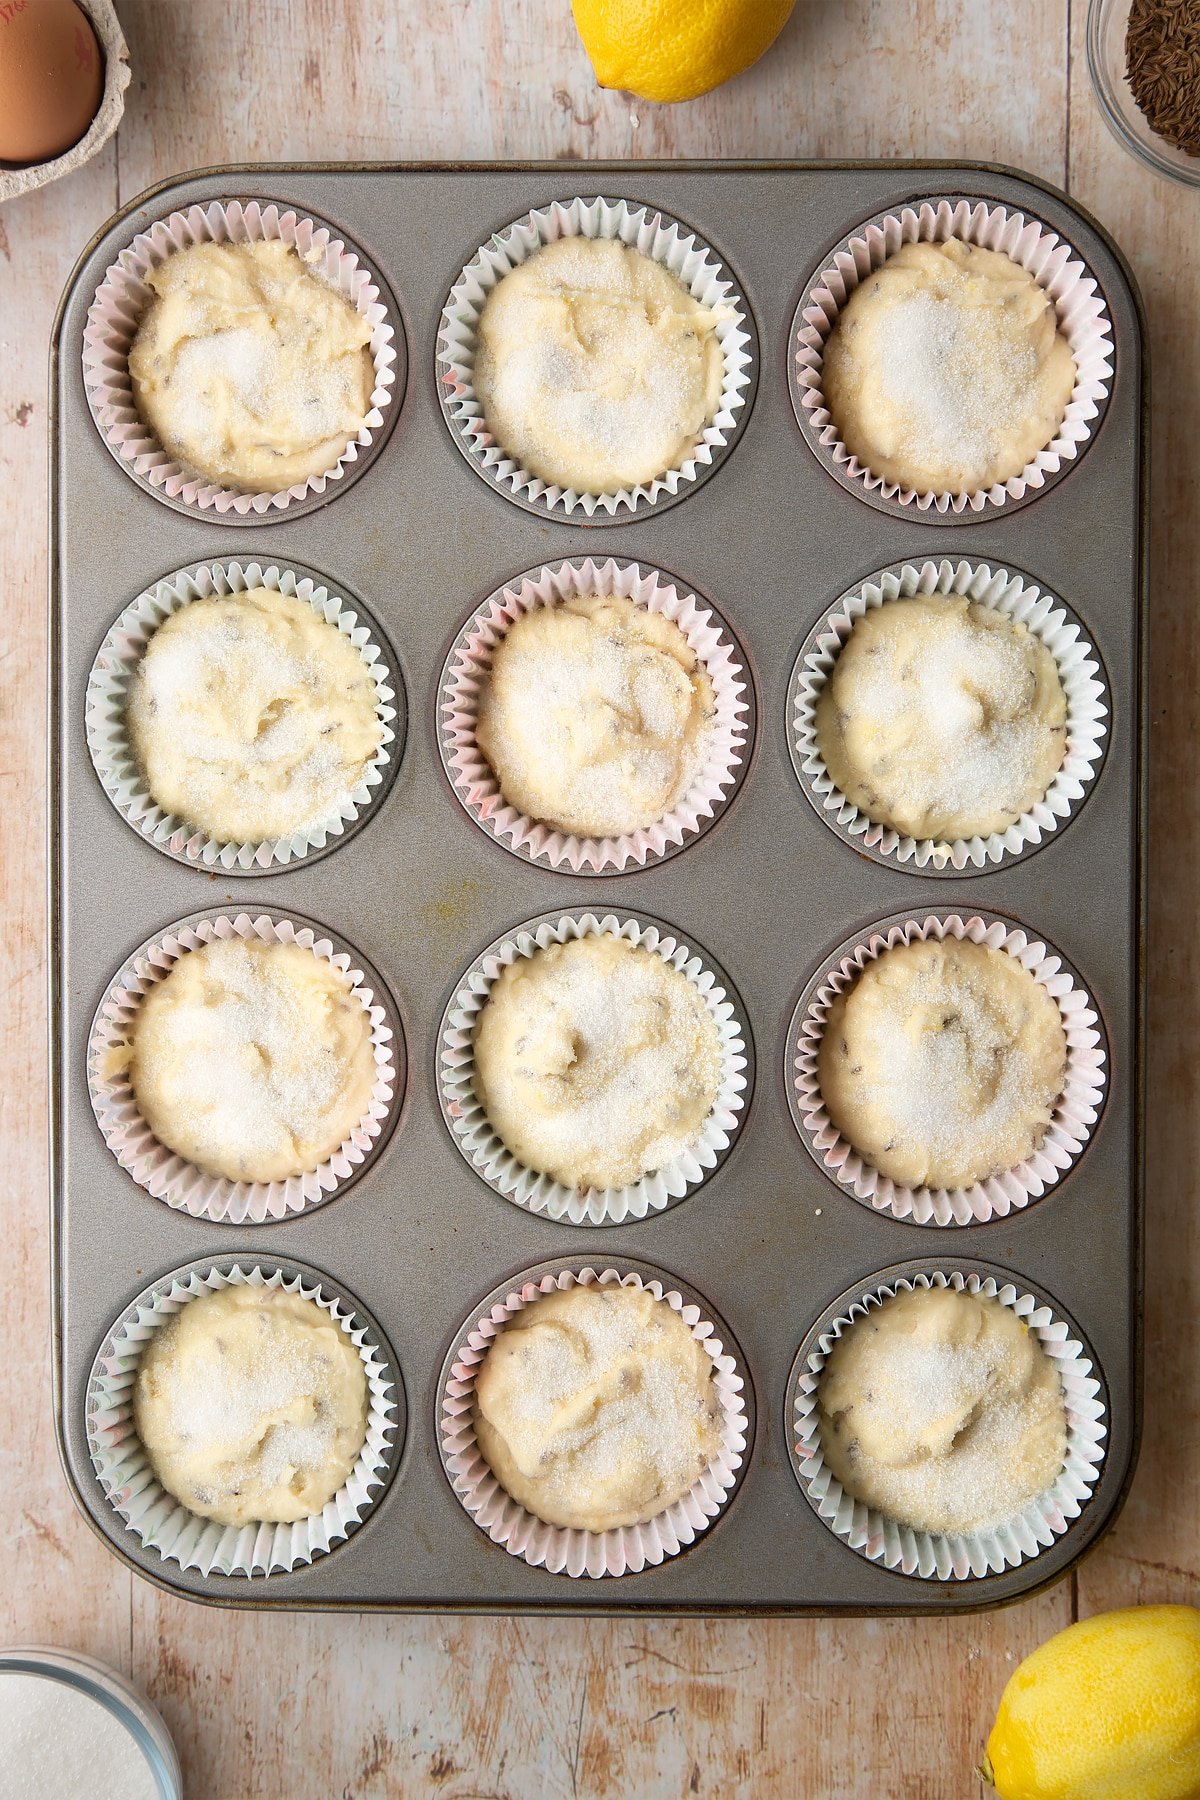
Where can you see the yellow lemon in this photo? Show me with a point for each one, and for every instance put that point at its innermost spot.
(1108, 1709)
(676, 49)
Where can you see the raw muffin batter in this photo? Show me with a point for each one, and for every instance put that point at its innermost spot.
(942, 718)
(251, 716)
(595, 368)
(251, 1404)
(596, 1062)
(943, 1411)
(595, 1407)
(249, 367)
(946, 371)
(595, 715)
(252, 1060)
(943, 1063)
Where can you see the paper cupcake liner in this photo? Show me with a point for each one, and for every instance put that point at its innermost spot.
(465, 678)
(490, 1156)
(116, 763)
(1074, 1114)
(1008, 592)
(654, 234)
(1082, 318)
(941, 1556)
(168, 1176)
(160, 1521)
(122, 298)
(571, 1550)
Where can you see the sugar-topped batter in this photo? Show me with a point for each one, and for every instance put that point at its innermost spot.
(942, 1410)
(596, 1407)
(250, 367)
(942, 718)
(595, 715)
(596, 1062)
(251, 716)
(596, 369)
(251, 1404)
(252, 1060)
(943, 1063)
(945, 371)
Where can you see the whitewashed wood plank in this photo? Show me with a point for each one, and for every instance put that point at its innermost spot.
(1153, 1553)
(60, 1584)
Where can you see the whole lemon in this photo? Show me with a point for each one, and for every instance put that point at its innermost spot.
(676, 49)
(1108, 1709)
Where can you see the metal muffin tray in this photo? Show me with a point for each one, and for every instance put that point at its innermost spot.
(769, 1239)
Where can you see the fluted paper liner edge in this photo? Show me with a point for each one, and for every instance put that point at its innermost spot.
(572, 1551)
(1075, 1112)
(168, 1176)
(943, 1556)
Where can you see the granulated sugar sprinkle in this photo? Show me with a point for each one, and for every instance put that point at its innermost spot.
(591, 729)
(242, 1056)
(965, 699)
(597, 1064)
(211, 688)
(962, 387)
(961, 1085)
(267, 1418)
(241, 376)
(974, 1474)
(598, 1391)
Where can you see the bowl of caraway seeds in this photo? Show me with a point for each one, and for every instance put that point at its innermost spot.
(1144, 59)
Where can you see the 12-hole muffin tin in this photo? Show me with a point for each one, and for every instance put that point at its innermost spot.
(763, 891)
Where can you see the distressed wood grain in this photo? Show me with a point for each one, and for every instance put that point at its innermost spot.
(372, 1709)
(61, 1585)
(1153, 1552)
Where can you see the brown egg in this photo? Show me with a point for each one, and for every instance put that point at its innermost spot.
(51, 78)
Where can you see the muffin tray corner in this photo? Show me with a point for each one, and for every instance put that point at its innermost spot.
(768, 1240)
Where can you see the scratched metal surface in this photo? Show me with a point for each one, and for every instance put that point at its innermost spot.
(772, 540)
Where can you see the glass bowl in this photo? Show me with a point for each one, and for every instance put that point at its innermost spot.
(142, 1721)
(1106, 26)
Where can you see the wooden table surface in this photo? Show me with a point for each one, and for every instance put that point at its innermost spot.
(345, 1709)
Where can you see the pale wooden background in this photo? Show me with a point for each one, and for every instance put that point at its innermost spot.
(339, 1709)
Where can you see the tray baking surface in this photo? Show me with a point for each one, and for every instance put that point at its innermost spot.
(768, 1239)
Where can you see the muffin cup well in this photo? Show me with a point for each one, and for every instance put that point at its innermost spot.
(163, 1523)
(1079, 671)
(654, 234)
(1073, 1118)
(466, 674)
(170, 1177)
(122, 298)
(116, 763)
(572, 1551)
(1082, 318)
(491, 1158)
(943, 1556)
